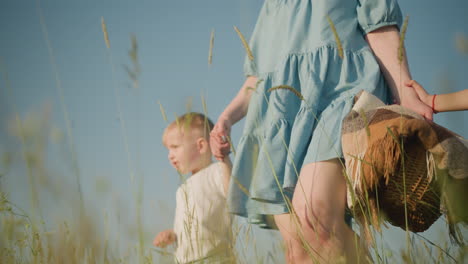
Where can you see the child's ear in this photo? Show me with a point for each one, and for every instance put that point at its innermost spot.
(203, 145)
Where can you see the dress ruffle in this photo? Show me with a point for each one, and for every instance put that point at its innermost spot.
(287, 128)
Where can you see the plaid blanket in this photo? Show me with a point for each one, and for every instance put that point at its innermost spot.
(374, 136)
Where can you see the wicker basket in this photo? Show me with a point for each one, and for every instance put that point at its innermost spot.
(422, 194)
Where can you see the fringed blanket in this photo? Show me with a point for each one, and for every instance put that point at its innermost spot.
(408, 189)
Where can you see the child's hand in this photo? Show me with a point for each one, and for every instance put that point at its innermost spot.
(219, 139)
(422, 94)
(165, 238)
(410, 99)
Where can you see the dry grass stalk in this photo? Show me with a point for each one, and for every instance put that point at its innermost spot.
(401, 47)
(461, 43)
(248, 88)
(205, 113)
(135, 71)
(104, 31)
(59, 89)
(163, 113)
(289, 88)
(241, 187)
(210, 52)
(245, 44)
(337, 38)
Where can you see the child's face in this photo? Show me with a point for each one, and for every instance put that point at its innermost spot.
(184, 153)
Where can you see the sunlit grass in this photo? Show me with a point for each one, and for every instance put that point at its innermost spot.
(245, 44)
(210, 51)
(25, 239)
(401, 46)
(337, 37)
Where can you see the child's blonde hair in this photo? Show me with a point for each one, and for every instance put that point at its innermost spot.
(192, 121)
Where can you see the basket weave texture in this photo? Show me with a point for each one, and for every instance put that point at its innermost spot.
(402, 167)
(412, 187)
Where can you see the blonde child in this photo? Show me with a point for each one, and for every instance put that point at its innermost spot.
(202, 225)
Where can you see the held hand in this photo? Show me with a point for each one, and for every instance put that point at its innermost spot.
(164, 238)
(219, 139)
(411, 99)
(422, 94)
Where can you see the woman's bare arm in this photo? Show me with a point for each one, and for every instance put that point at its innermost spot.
(235, 111)
(385, 42)
(237, 108)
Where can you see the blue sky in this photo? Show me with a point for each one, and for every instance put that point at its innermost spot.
(173, 41)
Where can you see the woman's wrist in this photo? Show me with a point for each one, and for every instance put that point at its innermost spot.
(426, 99)
(225, 118)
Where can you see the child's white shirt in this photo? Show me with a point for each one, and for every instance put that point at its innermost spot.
(202, 222)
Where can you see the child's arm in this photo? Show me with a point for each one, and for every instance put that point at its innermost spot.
(224, 161)
(235, 111)
(226, 168)
(165, 238)
(456, 101)
(385, 42)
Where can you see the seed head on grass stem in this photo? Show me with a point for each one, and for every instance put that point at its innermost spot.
(210, 52)
(337, 38)
(289, 88)
(104, 31)
(401, 47)
(245, 44)
(135, 71)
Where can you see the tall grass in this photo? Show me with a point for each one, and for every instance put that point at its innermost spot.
(63, 106)
(26, 238)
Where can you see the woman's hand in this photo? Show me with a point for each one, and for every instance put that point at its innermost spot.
(422, 94)
(220, 139)
(416, 101)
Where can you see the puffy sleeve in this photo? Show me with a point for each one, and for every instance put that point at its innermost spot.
(249, 67)
(374, 14)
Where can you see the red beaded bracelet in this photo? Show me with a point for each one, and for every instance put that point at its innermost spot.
(433, 101)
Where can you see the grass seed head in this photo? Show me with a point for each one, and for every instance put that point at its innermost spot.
(245, 44)
(104, 31)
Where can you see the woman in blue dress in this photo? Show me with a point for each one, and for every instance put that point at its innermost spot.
(300, 84)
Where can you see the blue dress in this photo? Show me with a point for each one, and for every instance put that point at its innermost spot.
(304, 91)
